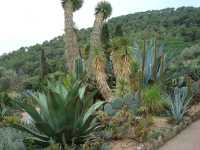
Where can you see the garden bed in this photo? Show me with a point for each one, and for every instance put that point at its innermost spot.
(168, 133)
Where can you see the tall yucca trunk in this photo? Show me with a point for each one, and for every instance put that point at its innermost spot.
(101, 78)
(116, 64)
(122, 71)
(96, 66)
(121, 66)
(95, 40)
(70, 38)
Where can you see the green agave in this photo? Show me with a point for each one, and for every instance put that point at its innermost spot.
(66, 115)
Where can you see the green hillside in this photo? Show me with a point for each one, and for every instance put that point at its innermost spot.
(179, 28)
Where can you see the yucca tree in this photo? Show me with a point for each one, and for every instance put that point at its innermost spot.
(96, 61)
(98, 67)
(122, 60)
(70, 38)
(102, 11)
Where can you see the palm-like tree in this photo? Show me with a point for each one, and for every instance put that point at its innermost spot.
(96, 61)
(102, 11)
(70, 38)
(121, 58)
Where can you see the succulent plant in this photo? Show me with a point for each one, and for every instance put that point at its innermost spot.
(66, 115)
(117, 103)
(109, 109)
(180, 100)
(131, 102)
(80, 69)
(151, 60)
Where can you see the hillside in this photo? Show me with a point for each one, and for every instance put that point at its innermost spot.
(179, 28)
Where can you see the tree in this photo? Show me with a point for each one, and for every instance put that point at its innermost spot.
(44, 65)
(118, 31)
(96, 61)
(70, 38)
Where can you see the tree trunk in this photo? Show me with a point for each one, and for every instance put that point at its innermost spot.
(101, 78)
(95, 40)
(96, 65)
(70, 38)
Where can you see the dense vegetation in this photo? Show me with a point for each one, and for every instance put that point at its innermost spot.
(179, 28)
(89, 87)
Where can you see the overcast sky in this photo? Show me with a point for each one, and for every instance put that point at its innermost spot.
(27, 22)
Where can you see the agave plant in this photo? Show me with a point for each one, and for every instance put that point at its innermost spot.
(151, 60)
(62, 115)
(5, 103)
(179, 103)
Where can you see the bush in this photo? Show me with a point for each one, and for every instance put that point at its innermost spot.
(153, 101)
(11, 139)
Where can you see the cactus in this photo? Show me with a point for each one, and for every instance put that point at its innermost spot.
(79, 68)
(109, 110)
(117, 103)
(131, 102)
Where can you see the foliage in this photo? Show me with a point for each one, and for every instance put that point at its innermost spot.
(117, 125)
(154, 134)
(180, 100)
(178, 28)
(118, 116)
(188, 63)
(79, 69)
(143, 127)
(122, 88)
(65, 115)
(105, 8)
(130, 102)
(153, 100)
(151, 59)
(11, 139)
(5, 103)
(76, 4)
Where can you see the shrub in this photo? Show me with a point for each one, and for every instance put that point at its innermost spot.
(153, 101)
(11, 139)
(143, 127)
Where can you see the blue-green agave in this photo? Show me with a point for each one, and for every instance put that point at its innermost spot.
(180, 100)
(66, 116)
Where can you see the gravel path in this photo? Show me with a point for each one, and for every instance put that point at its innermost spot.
(189, 139)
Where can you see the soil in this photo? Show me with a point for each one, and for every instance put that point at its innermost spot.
(125, 144)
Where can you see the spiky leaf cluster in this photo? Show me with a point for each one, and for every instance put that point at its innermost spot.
(75, 3)
(105, 8)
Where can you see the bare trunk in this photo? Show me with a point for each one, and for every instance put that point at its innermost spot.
(95, 40)
(70, 38)
(101, 78)
(96, 65)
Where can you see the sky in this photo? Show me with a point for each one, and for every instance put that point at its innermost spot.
(27, 22)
